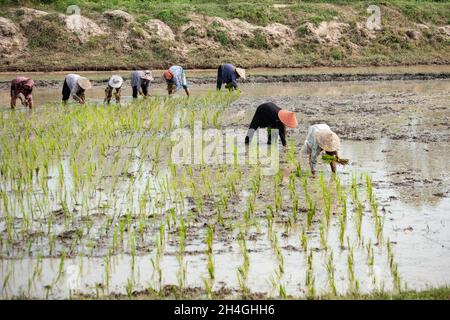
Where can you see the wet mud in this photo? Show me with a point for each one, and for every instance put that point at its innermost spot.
(396, 132)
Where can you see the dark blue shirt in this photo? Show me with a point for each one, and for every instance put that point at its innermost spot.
(226, 74)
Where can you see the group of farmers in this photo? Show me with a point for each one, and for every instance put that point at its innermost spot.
(268, 115)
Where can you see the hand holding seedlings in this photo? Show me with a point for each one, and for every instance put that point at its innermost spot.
(321, 138)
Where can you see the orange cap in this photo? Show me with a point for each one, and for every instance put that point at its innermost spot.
(288, 118)
(168, 75)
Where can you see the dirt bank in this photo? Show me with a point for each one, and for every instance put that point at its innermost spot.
(298, 35)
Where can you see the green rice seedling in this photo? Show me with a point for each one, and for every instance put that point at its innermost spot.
(291, 186)
(326, 199)
(215, 119)
(359, 218)
(129, 287)
(61, 265)
(328, 159)
(5, 282)
(295, 208)
(310, 279)
(270, 216)
(132, 249)
(304, 240)
(370, 261)
(278, 197)
(393, 267)
(51, 244)
(330, 271)
(282, 291)
(353, 283)
(242, 271)
(311, 212)
(162, 236)
(208, 287)
(342, 224)
(181, 275)
(209, 238)
(323, 234)
(291, 152)
(354, 189)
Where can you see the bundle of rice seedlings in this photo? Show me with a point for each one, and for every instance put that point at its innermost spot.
(328, 159)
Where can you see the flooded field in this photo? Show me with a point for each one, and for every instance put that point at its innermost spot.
(92, 203)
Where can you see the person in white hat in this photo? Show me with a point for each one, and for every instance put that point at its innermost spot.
(140, 82)
(321, 138)
(75, 87)
(228, 74)
(114, 85)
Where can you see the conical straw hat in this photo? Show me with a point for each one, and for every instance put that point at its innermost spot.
(147, 75)
(84, 83)
(168, 75)
(328, 140)
(288, 118)
(241, 72)
(115, 81)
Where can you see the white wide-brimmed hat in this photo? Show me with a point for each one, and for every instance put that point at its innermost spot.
(328, 140)
(241, 72)
(84, 83)
(147, 75)
(115, 81)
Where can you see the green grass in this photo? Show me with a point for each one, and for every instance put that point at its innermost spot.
(440, 293)
(258, 41)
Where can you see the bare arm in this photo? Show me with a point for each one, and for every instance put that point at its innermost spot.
(333, 163)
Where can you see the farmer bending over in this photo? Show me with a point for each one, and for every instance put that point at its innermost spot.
(228, 74)
(75, 87)
(175, 78)
(114, 86)
(21, 88)
(140, 82)
(321, 138)
(270, 116)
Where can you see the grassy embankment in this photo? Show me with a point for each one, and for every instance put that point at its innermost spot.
(51, 47)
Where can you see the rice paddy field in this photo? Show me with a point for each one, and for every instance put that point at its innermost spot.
(93, 204)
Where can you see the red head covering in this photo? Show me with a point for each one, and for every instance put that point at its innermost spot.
(28, 83)
(168, 75)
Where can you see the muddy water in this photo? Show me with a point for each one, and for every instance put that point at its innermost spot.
(96, 94)
(410, 179)
(417, 225)
(5, 76)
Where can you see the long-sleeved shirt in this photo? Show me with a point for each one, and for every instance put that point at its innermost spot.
(72, 83)
(266, 116)
(136, 78)
(138, 83)
(311, 146)
(226, 73)
(179, 77)
(18, 87)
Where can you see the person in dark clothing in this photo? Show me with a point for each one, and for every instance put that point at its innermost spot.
(228, 74)
(140, 82)
(22, 89)
(269, 115)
